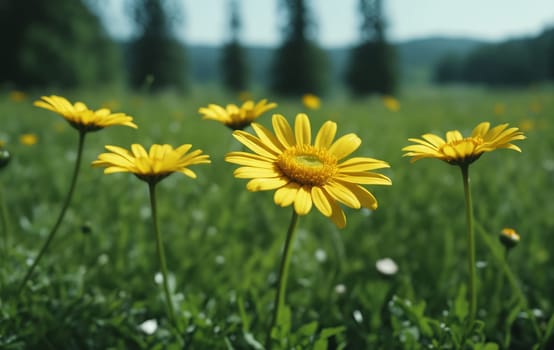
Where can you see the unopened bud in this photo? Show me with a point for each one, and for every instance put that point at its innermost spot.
(4, 157)
(509, 237)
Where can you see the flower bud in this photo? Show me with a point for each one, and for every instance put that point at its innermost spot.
(509, 237)
(4, 157)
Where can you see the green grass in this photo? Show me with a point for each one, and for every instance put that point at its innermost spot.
(96, 284)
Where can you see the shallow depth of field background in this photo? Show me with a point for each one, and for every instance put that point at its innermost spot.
(97, 283)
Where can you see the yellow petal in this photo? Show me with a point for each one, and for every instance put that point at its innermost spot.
(303, 201)
(345, 145)
(264, 184)
(435, 140)
(366, 198)
(285, 195)
(338, 217)
(267, 138)
(481, 129)
(364, 178)
(321, 202)
(283, 130)
(249, 159)
(357, 164)
(138, 151)
(342, 194)
(251, 173)
(253, 143)
(326, 135)
(302, 129)
(453, 135)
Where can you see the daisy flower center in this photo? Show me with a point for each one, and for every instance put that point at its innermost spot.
(307, 165)
(473, 141)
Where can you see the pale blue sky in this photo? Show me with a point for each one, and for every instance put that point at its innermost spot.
(337, 20)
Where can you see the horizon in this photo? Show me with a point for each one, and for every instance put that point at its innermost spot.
(205, 22)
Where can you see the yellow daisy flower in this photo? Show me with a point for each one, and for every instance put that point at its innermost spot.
(306, 173)
(153, 166)
(457, 150)
(311, 101)
(235, 117)
(81, 117)
(391, 103)
(17, 96)
(28, 139)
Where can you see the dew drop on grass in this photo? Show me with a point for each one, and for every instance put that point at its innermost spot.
(145, 212)
(357, 315)
(340, 289)
(320, 255)
(25, 223)
(220, 260)
(103, 259)
(481, 264)
(211, 231)
(158, 278)
(149, 326)
(71, 156)
(386, 266)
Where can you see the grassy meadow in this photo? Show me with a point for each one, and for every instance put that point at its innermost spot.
(98, 286)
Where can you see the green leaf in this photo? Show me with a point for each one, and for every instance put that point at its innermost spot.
(487, 346)
(461, 306)
(308, 329)
(331, 331)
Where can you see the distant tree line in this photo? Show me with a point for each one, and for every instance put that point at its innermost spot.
(57, 43)
(513, 62)
(62, 43)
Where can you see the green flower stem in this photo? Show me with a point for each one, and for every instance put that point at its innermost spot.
(470, 247)
(161, 254)
(510, 276)
(283, 275)
(5, 224)
(62, 212)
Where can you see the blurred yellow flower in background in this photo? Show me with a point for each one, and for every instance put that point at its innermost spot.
(28, 139)
(17, 96)
(499, 109)
(153, 166)
(81, 117)
(391, 103)
(457, 150)
(235, 117)
(59, 126)
(111, 104)
(245, 96)
(306, 173)
(527, 124)
(311, 101)
(535, 107)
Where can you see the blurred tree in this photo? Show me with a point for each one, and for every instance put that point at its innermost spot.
(300, 65)
(372, 67)
(55, 43)
(233, 62)
(513, 62)
(448, 69)
(156, 58)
